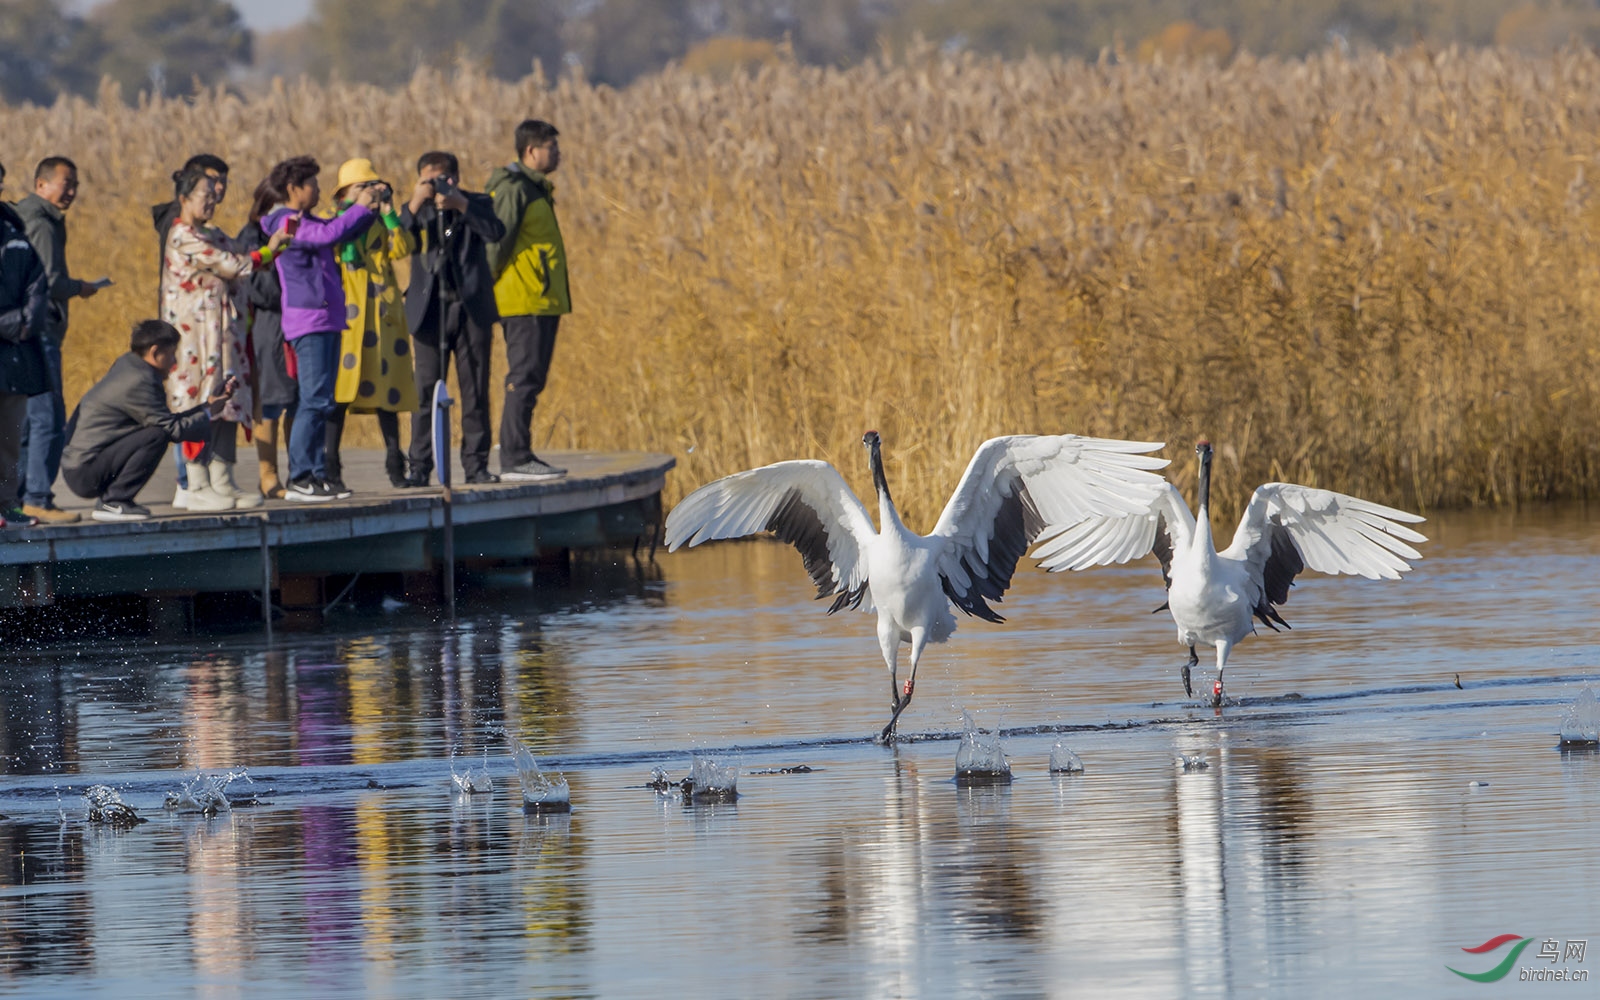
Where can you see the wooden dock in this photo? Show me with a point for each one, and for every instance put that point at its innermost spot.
(292, 549)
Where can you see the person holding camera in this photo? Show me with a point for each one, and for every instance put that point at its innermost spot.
(204, 281)
(313, 315)
(122, 426)
(450, 306)
(375, 352)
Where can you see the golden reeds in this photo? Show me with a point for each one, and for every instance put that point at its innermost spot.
(1376, 273)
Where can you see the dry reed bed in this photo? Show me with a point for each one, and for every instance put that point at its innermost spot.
(1375, 274)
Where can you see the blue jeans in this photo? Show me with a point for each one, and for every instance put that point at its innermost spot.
(318, 357)
(44, 434)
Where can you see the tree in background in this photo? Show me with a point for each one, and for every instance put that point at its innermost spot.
(45, 52)
(165, 46)
(386, 41)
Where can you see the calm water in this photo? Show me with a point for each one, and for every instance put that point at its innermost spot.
(1333, 841)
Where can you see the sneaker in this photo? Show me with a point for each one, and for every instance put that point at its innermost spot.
(337, 487)
(532, 471)
(180, 499)
(120, 510)
(308, 490)
(50, 514)
(13, 517)
(483, 478)
(415, 482)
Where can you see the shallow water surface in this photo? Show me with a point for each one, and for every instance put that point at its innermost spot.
(1358, 820)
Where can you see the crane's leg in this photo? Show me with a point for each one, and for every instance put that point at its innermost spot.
(889, 645)
(1194, 658)
(919, 639)
(1222, 661)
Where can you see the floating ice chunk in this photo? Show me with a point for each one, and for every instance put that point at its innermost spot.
(1580, 726)
(107, 808)
(1064, 761)
(710, 781)
(540, 792)
(1197, 762)
(980, 760)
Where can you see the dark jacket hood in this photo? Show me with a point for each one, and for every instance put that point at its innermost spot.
(162, 215)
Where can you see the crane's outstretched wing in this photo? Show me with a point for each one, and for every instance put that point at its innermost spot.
(1164, 526)
(1288, 528)
(805, 503)
(1019, 486)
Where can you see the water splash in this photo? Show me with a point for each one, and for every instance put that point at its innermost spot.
(106, 808)
(474, 780)
(540, 793)
(710, 781)
(1063, 760)
(980, 760)
(1187, 763)
(206, 794)
(1580, 726)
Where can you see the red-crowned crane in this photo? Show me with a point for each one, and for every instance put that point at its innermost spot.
(1014, 488)
(1213, 595)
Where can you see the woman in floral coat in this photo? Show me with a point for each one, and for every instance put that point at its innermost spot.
(203, 285)
(375, 352)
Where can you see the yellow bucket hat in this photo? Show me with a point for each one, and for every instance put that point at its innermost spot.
(357, 171)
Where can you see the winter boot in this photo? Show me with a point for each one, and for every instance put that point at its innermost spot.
(200, 494)
(222, 482)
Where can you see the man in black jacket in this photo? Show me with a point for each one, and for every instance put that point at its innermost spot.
(55, 188)
(450, 308)
(122, 426)
(24, 323)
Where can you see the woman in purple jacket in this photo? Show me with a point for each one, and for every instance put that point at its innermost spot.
(313, 315)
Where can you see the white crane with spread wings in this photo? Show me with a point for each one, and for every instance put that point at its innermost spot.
(1213, 595)
(1014, 489)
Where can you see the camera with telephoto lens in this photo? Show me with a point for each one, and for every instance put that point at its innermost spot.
(444, 186)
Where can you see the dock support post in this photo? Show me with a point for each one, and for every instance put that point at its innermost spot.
(441, 458)
(449, 558)
(266, 579)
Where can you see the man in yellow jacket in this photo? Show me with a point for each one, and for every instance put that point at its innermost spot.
(530, 270)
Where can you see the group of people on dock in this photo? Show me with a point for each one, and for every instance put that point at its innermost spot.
(298, 319)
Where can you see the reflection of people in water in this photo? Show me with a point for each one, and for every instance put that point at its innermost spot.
(38, 730)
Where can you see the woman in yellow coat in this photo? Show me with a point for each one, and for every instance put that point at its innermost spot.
(375, 353)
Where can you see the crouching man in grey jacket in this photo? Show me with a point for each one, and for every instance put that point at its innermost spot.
(121, 428)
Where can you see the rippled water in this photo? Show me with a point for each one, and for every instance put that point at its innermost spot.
(1326, 835)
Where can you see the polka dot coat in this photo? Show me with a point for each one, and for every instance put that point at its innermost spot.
(375, 351)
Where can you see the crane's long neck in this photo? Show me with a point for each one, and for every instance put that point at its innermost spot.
(1202, 529)
(887, 515)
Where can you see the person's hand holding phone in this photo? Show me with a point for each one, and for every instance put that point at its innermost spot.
(280, 238)
(215, 403)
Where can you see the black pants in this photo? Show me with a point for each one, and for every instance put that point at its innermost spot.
(431, 350)
(388, 424)
(119, 472)
(530, 344)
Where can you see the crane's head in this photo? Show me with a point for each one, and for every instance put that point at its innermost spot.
(1202, 447)
(871, 440)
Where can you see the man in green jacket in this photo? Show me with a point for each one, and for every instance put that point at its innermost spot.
(530, 271)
